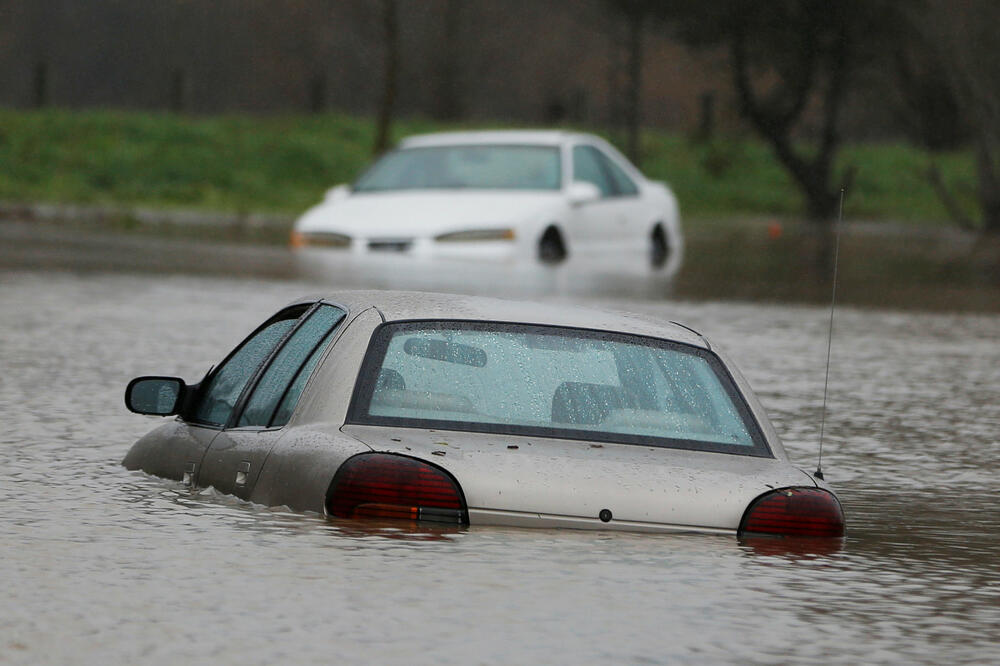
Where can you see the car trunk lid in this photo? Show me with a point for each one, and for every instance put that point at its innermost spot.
(517, 480)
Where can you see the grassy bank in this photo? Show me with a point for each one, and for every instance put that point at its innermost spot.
(283, 164)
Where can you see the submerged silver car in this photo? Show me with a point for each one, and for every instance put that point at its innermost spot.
(467, 410)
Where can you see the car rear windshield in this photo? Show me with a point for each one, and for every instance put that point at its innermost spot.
(503, 167)
(553, 382)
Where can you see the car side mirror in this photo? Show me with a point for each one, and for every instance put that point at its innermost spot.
(156, 396)
(581, 192)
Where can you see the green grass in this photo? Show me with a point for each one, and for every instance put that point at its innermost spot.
(740, 177)
(285, 163)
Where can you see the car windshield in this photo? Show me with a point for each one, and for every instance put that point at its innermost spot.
(491, 167)
(555, 382)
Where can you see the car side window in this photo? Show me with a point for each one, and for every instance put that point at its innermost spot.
(284, 411)
(624, 186)
(276, 393)
(219, 398)
(587, 168)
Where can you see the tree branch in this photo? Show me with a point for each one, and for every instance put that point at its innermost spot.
(776, 129)
(839, 68)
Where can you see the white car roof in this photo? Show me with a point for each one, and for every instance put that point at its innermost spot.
(513, 137)
(408, 305)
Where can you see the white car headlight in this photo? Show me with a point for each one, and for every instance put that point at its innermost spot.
(478, 235)
(319, 239)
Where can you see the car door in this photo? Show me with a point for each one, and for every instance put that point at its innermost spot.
(266, 402)
(609, 223)
(634, 209)
(173, 451)
(219, 392)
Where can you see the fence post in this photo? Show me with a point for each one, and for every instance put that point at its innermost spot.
(41, 85)
(178, 90)
(317, 93)
(706, 115)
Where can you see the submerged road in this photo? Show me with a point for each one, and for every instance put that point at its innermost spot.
(107, 566)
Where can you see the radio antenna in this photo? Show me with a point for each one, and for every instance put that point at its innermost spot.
(829, 335)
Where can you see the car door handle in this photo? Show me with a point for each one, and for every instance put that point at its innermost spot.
(242, 471)
(190, 470)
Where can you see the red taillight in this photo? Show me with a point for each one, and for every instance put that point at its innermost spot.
(379, 485)
(808, 512)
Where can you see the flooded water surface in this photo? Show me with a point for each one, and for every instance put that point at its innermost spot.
(102, 565)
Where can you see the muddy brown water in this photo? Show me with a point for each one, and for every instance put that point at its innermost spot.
(101, 565)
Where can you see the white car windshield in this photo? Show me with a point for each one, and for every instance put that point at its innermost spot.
(556, 382)
(490, 167)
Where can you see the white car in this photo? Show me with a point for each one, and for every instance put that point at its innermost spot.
(505, 195)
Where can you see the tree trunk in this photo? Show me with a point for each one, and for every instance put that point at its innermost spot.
(706, 116)
(821, 203)
(41, 85)
(390, 27)
(449, 102)
(989, 187)
(775, 122)
(179, 88)
(317, 93)
(634, 85)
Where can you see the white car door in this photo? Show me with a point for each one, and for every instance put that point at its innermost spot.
(616, 221)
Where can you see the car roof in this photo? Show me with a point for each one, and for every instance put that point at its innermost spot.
(410, 305)
(514, 137)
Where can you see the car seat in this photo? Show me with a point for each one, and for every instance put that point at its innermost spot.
(582, 402)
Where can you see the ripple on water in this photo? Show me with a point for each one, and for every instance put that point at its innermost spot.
(104, 564)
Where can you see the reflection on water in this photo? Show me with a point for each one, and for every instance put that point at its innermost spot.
(104, 565)
(880, 266)
(792, 547)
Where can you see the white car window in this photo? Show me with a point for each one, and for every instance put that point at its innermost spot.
(491, 167)
(624, 186)
(591, 165)
(587, 168)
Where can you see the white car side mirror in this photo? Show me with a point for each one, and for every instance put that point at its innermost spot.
(337, 193)
(580, 192)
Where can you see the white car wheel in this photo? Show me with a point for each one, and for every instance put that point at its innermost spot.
(551, 248)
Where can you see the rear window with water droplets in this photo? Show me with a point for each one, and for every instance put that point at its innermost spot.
(552, 381)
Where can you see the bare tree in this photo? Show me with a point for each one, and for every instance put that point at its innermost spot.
(955, 55)
(792, 63)
(637, 14)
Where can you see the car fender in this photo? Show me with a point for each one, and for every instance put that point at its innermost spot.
(557, 216)
(174, 450)
(675, 239)
(316, 215)
(298, 473)
(667, 215)
(541, 229)
(664, 202)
